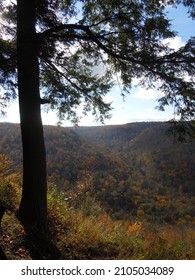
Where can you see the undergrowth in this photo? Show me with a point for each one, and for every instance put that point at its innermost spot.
(96, 236)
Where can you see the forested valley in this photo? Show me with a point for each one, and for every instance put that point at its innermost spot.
(120, 191)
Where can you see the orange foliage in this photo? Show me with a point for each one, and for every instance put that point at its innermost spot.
(135, 228)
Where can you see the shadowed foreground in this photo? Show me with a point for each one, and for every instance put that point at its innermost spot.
(2, 255)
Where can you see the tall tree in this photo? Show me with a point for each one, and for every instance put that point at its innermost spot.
(73, 51)
(34, 202)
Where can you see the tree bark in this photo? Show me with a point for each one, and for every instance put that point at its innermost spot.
(2, 212)
(2, 254)
(33, 207)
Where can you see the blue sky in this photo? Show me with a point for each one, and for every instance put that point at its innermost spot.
(140, 104)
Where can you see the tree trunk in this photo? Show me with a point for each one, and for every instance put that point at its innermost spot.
(2, 212)
(2, 254)
(33, 206)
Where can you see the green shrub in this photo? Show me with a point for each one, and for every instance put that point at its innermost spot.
(9, 194)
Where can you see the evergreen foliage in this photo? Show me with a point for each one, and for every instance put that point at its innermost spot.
(84, 45)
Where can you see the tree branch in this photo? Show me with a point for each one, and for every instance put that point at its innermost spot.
(93, 37)
(62, 74)
(96, 39)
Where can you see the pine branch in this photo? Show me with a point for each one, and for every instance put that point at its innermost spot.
(97, 40)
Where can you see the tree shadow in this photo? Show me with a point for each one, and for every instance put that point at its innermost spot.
(2, 212)
(41, 247)
(2, 254)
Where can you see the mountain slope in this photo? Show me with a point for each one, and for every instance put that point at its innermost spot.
(148, 146)
(128, 169)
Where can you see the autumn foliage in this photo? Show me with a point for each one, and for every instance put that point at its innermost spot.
(133, 199)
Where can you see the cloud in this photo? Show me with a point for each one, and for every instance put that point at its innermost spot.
(174, 43)
(152, 94)
(49, 118)
(141, 116)
(152, 115)
(109, 98)
(12, 113)
(143, 93)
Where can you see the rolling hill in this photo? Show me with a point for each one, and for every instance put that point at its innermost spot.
(132, 169)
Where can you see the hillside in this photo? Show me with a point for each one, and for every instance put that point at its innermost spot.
(148, 149)
(113, 136)
(133, 169)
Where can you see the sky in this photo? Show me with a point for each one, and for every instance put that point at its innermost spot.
(140, 104)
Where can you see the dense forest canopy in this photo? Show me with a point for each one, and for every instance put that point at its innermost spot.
(126, 169)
